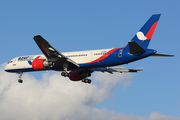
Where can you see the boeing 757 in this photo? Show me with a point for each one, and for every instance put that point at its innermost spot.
(79, 65)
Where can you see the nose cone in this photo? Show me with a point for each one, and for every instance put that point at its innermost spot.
(7, 68)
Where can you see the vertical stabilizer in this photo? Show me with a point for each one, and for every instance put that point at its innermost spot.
(144, 35)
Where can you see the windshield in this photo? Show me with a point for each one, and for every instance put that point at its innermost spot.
(9, 62)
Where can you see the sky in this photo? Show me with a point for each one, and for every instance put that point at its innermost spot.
(75, 25)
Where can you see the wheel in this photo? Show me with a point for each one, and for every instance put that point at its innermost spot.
(20, 81)
(86, 80)
(89, 81)
(66, 74)
(63, 73)
(83, 80)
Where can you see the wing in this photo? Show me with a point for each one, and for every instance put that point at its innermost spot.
(51, 53)
(162, 55)
(111, 70)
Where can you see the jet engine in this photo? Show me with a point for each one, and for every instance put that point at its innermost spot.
(40, 64)
(75, 75)
(79, 75)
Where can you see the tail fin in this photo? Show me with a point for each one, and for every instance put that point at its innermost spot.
(144, 35)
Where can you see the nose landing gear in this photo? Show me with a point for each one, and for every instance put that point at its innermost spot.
(20, 81)
(20, 76)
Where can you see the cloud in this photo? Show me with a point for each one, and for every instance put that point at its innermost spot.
(57, 98)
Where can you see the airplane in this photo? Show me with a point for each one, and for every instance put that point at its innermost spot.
(82, 64)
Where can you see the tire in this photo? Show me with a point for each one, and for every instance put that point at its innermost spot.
(20, 81)
(89, 81)
(83, 80)
(66, 74)
(63, 74)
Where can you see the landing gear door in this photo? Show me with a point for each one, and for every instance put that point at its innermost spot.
(120, 53)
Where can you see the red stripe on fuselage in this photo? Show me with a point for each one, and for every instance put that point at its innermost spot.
(151, 31)
(37, 57)
(104, 56)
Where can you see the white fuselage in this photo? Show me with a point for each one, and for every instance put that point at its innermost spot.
(79, 57)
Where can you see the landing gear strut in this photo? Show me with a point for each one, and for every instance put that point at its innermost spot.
(84, 75)
(20, 76)
(65, 67)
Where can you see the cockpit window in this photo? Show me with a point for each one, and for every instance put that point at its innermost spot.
(10, 62)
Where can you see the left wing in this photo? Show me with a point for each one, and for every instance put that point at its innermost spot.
(51, 53)
(111, 70)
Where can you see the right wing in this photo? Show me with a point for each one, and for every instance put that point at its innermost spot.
(162, 55)
(111, 70)
(51, 53)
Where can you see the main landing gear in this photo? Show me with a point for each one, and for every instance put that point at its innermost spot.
(65, 74)
(83, 77)
(20, 76)
(80, 75)
(86, 80)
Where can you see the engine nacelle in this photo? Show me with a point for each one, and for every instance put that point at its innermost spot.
(39, 64)
(75, 75)
(79, 75)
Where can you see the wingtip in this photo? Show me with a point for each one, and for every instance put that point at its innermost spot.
(36, 36)
(162, 55)
(156, 14)
(135, 70)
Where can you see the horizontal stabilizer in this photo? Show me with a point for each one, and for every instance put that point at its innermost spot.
(134, 48)
(162, 55)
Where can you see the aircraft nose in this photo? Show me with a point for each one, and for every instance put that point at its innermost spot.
(6, 68)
